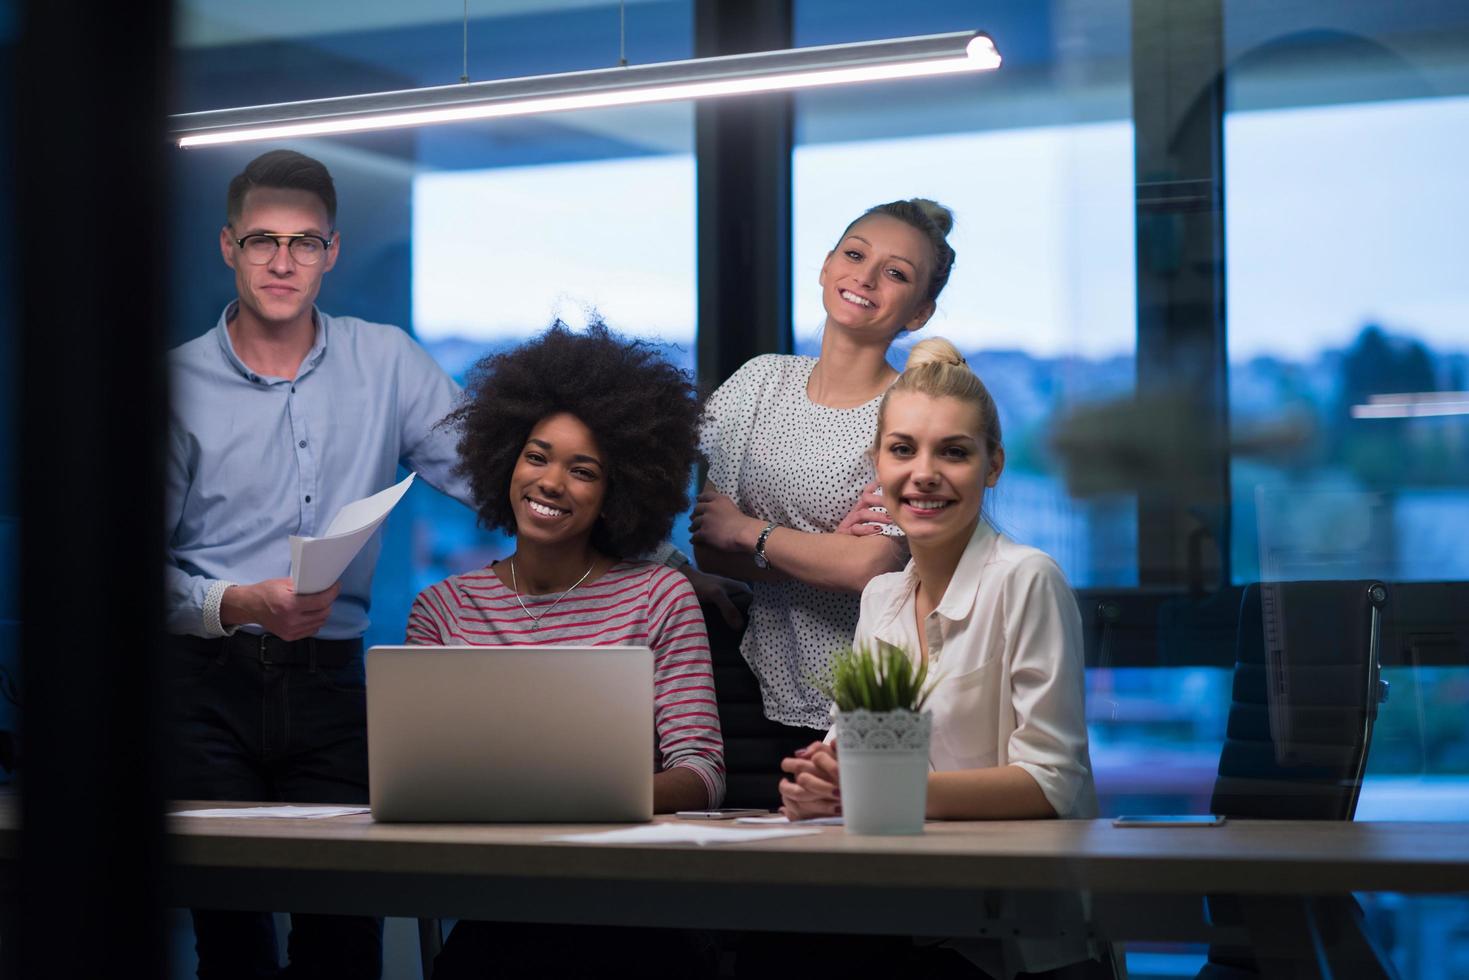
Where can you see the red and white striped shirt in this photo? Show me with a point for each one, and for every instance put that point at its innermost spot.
(635, 603)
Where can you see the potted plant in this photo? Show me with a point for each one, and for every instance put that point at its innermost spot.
(882, 735)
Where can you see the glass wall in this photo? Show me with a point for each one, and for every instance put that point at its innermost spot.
(1344, 306)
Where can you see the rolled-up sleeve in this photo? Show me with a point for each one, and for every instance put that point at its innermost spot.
(428, 444)
(1048, 684)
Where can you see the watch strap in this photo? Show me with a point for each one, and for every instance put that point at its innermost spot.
(760, 560)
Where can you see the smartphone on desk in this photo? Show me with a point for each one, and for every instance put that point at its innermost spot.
(721, 813)
(1169, 820)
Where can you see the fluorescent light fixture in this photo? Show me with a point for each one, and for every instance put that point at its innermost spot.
(1413, 405)
(701, 78)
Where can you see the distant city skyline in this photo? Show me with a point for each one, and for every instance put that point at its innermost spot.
(1326, 231)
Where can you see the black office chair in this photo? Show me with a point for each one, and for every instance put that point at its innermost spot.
(753, 744)
(1307, 685)
(1306, 689)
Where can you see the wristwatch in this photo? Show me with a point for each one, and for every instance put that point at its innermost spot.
(760, 560)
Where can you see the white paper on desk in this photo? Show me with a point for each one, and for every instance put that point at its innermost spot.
(317, 563)
(275, 812)
(786, 821)
(679, 833)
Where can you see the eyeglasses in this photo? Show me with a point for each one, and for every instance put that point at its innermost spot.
(306, 248)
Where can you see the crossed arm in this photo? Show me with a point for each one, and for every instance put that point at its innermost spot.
(724, 543)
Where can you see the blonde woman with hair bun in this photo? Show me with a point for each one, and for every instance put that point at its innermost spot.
(995, 621)
(787, 442)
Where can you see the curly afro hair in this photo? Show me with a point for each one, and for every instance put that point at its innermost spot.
(643, 412)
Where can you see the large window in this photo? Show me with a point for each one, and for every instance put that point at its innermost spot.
(1347, 297)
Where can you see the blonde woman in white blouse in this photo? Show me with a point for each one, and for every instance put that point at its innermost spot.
(994, 619)
(999, 628)
(787, 440)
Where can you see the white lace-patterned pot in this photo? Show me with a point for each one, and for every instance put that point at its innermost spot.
(883, 756)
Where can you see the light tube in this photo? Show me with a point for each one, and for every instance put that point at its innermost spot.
(1413, 405)
(704, 78)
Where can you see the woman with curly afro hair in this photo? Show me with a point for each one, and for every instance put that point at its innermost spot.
(581, 446)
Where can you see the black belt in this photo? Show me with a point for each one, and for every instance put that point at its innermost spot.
(267, 648)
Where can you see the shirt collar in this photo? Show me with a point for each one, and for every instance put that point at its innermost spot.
(959, 597)
(312, 358)
(958, 600)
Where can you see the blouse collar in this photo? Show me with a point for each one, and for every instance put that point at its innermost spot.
(959, 597)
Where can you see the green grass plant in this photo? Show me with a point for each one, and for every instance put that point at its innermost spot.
(877, 678)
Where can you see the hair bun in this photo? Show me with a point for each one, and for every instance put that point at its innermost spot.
(942, 217)
(934, 350)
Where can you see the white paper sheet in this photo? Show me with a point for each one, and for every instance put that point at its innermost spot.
(679, 833)
(274, 812)
(317, 563)
(783, 821)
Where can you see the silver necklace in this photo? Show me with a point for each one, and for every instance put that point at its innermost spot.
(535, 621)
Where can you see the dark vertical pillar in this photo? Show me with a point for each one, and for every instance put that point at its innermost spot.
(93, 263)
(10, 459)
(743, 148)
(1178, 114)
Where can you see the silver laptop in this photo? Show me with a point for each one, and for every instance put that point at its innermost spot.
(510, 734)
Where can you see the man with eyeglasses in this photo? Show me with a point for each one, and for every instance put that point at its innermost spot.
(281, 414)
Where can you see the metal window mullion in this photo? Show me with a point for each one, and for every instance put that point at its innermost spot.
(1178, 115)
(743, 159)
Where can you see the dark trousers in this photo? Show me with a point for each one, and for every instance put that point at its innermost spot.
(256, 718)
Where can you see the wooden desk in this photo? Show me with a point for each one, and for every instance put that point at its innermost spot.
(352, 865)
(1145, 882)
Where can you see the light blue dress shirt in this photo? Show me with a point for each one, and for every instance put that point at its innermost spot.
(254, 459)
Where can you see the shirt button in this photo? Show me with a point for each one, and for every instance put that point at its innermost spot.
(308, 498)
(302, 443)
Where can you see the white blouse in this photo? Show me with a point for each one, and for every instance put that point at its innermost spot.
(1005, 644)
(781, 457)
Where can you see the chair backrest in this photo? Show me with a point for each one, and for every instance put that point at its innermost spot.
(1306, 690)
(753, 745)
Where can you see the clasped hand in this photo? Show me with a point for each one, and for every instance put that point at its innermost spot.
(868, 515)
(814, 786)
(717, 523)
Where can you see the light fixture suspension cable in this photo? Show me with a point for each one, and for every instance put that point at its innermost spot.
(464, 75)
(621, 33)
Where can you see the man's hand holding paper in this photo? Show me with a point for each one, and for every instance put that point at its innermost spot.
(276, 605)
(296, 607)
